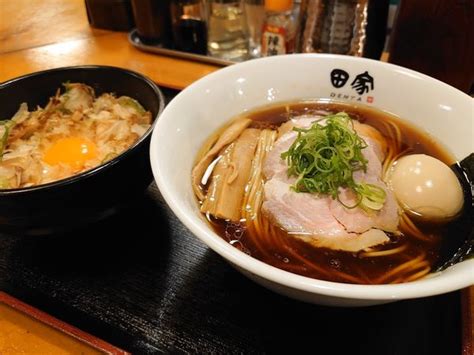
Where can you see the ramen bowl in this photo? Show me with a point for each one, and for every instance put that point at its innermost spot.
(209, 103)
(91, 195)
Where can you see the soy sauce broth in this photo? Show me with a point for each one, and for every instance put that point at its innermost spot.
(294, 255)
(420, 142)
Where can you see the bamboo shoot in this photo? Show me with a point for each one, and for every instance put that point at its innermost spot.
(227, 137)
(230, 176)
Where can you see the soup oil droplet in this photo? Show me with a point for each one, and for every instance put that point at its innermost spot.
(335, 263)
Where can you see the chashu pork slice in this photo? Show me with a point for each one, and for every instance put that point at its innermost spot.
(273, 163)
(356, 220)
(309, 217)
(320, 220)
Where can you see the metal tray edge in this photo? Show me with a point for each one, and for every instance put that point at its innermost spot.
(136, 42)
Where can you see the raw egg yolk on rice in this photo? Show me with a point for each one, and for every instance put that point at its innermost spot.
(72, 151)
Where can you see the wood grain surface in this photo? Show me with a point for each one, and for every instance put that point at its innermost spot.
(27, 330)
(468, 321)
(44, 34)
(26, 24)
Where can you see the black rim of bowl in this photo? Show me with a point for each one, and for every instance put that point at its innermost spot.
(108, 164)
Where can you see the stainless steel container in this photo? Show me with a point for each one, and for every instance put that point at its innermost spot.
(351, 27)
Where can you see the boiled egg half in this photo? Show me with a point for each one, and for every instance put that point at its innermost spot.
(426, 187)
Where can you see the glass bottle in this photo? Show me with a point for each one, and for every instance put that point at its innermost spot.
(227, 33)
(152, 20)
(99, 14)
(279, 30)
(188, 22)
(255, 16)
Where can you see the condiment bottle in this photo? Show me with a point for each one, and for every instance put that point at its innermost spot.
(279, 29)
(188, 22)
(152, 20)
(115, 15)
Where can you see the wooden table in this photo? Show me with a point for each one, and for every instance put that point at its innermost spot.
(43, 34)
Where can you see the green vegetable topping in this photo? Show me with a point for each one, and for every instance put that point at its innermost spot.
(129, 102)
(4, 184)
(7, 125)
(324, 158)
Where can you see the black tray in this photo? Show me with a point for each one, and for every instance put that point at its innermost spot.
(143, 282)
(135, 40)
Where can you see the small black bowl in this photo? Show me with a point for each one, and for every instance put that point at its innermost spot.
(94, 194)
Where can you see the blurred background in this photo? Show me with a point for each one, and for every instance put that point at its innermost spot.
(431, 36)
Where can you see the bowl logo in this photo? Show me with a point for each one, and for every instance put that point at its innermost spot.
(339, 78)
(362, 84)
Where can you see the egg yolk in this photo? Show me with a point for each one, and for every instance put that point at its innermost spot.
(73, 151)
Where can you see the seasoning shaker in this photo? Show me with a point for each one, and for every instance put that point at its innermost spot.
(113, 15)
(152, 21)
(189, 25)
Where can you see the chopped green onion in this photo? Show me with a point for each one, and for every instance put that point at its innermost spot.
(373, 197)
(324, 157)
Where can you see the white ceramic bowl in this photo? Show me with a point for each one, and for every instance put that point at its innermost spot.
(205, 105)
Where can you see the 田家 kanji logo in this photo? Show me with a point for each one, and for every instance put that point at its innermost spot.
(362, 83)
(339, 78)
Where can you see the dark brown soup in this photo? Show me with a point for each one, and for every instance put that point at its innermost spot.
(407, 257)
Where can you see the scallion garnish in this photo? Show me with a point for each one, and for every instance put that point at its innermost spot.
(324, 157)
